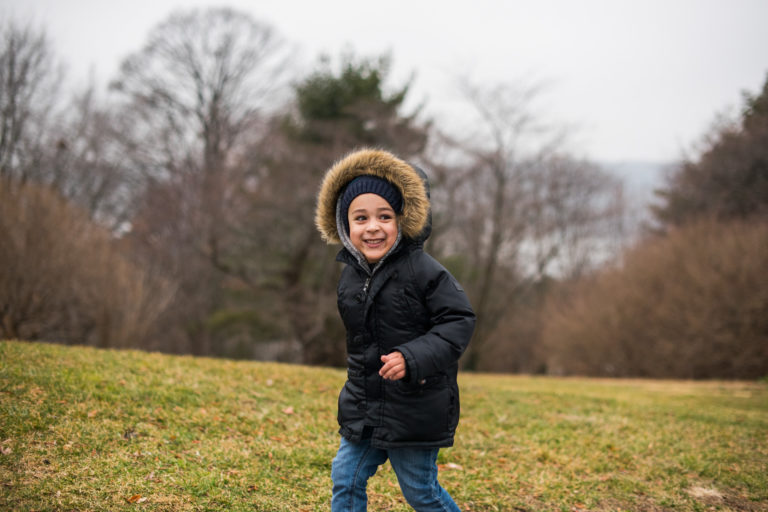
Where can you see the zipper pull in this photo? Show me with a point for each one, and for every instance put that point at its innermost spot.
(360, 297)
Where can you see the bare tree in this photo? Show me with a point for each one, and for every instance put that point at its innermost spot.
(196, 89)
(89, 165)
(29, 78)
(67, 145)
(574, 217)
(195, 98)
(195, 95)
(527, 209)
(499, 159)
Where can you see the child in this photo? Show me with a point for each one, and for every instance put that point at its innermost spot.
(407, 320)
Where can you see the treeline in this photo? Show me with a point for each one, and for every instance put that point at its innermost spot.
(174, 212)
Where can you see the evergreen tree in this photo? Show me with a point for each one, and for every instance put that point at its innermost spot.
(729, 180)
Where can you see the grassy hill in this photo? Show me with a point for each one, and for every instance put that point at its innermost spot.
(85, 429)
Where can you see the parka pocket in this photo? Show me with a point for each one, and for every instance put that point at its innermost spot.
(413, 301)
(416, 312)
(415, 388)
(417, 412)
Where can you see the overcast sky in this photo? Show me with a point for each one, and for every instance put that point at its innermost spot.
(639, 80)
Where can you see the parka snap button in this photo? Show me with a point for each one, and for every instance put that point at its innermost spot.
(423, 381)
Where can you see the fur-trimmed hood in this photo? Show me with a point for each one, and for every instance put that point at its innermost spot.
(408, 179)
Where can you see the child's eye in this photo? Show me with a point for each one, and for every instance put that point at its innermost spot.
(385, 216)
(359, 218)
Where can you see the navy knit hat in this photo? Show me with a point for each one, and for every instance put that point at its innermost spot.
(367, 184)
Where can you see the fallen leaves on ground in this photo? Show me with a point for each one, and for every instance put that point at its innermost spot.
(136, 498)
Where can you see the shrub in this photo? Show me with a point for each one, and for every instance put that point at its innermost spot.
(689, 305)
(63, 278)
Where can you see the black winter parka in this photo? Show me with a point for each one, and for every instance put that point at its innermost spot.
(409, 303)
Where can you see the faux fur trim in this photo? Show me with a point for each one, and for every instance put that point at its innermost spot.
(377, 163)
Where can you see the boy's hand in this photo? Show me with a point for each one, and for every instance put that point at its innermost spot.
(394, 366)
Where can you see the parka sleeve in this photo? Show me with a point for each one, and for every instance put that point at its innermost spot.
(452, 322)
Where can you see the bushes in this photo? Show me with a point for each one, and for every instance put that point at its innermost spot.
(689, 305)
(63, 279)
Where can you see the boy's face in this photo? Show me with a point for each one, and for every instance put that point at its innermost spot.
(372, 226)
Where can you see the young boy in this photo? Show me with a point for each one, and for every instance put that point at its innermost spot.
(407, 320)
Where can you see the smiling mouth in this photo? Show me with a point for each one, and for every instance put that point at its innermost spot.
(374, 242)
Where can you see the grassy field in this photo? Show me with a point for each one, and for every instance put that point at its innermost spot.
(84, 429)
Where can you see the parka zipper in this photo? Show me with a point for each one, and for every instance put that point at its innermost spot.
(363, 296)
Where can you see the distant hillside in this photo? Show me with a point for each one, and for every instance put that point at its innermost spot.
(640, 180)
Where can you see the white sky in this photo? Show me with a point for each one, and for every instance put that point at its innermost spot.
(640, 80)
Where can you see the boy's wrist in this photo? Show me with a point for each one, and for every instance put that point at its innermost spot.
(408, 364)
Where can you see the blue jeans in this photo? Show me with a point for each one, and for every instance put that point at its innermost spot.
(416, 471)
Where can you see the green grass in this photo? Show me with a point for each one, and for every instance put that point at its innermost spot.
(85, 429)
